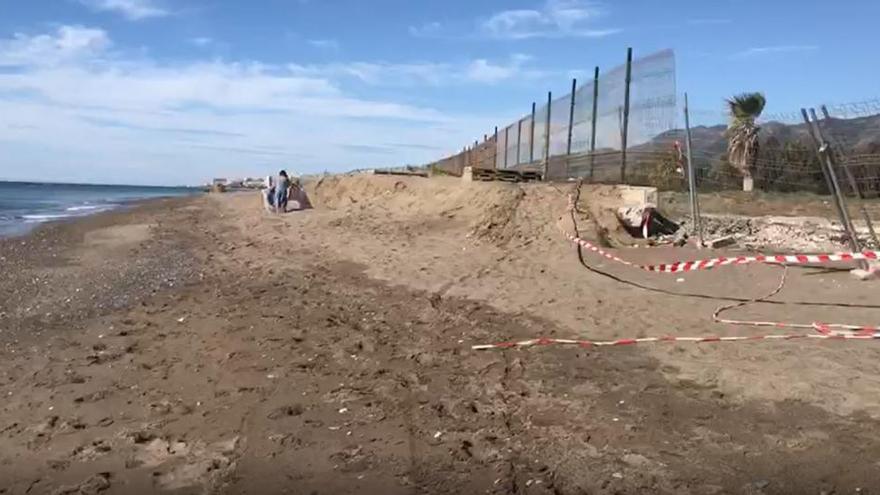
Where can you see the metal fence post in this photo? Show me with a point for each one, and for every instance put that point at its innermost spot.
(532, 137)
(857, 191)
(821, 164)
(495, 154)
(826, 163)
(595, 118)
(570, 128)
(625, 131)
(506, 141)
(571, 115)
(547, 137)
(692, 176)
(518, 139)
(475, 156)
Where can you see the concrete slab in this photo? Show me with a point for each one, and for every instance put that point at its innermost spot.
(638, 196)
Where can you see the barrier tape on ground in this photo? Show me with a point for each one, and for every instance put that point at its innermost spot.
(823, 328)
(830, 335)
(706, 264)
(823, 331)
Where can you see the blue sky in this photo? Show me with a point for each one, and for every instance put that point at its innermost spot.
(178, 91)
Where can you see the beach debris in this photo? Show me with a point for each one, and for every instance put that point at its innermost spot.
(636, 460)
(760, 484)
(91, 486)
(721, 242)
(285, 411)
(645, 221)
(873, 272)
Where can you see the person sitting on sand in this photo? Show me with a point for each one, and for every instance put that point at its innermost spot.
(282, 186)
(298, 195)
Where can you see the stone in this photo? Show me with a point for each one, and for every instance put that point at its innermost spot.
(721, 242)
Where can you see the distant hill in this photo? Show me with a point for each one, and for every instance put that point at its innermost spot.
(855, 136)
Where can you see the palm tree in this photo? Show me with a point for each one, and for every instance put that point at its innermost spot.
(742, 134)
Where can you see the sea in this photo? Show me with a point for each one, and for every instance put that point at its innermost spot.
(25, 205)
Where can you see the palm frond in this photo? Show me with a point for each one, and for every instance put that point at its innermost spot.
(746, 106)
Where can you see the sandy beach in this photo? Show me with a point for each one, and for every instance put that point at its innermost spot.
(202, 345)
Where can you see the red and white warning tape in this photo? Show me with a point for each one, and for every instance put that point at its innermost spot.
(706, 264)
(694, 340)
(822, 328)
(823, 331)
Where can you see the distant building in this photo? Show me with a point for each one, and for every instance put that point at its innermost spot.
(246, 183)
(254, 183)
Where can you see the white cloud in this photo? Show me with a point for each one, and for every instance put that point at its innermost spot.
(77, 111)
(131, 9)
(426, 30)
(767, 50)
(482, 70)
(477, 71)
(380, 73)
(201, 41)
(324, 44)
(555, 19)
(66, 44)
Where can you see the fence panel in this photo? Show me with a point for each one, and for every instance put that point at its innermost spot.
(540, 133)
(653, 107)
(583, 119)
(500, 147)
(560, 109)
(525, 145)
(511, 133)
(652, 116)
(852, 129)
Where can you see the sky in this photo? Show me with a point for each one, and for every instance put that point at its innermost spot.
(173, 92)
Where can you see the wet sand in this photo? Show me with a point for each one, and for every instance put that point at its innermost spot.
(202, 345)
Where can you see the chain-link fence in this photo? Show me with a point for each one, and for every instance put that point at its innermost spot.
(626, 126)
(582, 133)
(820, 166)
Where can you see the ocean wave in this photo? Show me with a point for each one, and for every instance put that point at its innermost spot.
(90, 207)
(45, 217)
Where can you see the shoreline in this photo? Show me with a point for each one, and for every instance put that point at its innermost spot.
(202, 345)
(25, 213)
(65, 219)
(83, 265)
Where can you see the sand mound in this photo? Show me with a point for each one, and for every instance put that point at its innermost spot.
(493, 212)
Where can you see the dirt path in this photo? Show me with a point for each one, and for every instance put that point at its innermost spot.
(328, 352)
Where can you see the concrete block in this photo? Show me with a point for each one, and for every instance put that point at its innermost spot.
(467, 175)
(872, 273)
(721, 242)
(639, 196)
